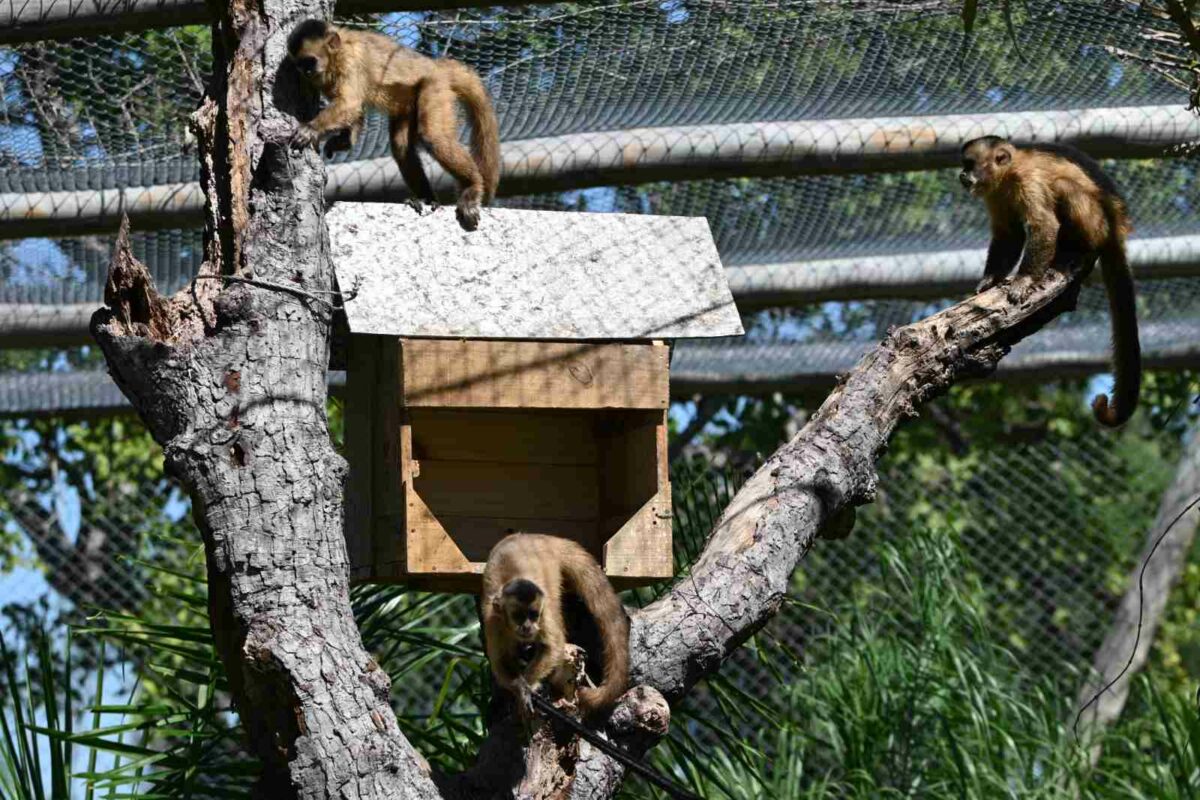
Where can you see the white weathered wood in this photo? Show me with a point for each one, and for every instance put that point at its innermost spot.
(529, 275)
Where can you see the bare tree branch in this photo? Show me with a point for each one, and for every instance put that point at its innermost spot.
(742, 577)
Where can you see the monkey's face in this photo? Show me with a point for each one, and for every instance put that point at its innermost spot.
(984, 167)
(525, 618)
(312, 56)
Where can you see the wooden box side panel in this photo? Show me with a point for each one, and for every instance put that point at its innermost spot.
(390, 467)
(636, 494)
(445, 373)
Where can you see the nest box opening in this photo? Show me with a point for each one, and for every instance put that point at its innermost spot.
(514, 379)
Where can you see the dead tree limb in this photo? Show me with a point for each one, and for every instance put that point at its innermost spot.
(230, 379)
(1127, 643)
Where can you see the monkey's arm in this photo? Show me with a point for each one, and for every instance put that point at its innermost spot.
(1041, 234)
(508, 671)
(345, 110)
(1007, 242)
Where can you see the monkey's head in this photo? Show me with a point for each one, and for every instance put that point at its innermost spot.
(311, 45)
(520, 602)
(985, 164)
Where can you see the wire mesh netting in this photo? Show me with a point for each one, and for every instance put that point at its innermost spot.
(111, 110)
(90, 120)
(1051, 561)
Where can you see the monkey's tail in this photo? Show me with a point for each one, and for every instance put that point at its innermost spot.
(485, 128)
(597, 593)
(1127, 351)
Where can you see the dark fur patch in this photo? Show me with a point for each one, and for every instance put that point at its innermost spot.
(1082, 160)
(522, 590)
(309, 29)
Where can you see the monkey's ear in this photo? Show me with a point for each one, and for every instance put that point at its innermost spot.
(1003, 156)
(333, 41)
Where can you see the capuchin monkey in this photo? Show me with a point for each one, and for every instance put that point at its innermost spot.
(524, 632)
(1054, 203)
(354, 69)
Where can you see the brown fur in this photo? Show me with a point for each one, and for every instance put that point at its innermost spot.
(1052, 201)
(355, 69)
(552, 565)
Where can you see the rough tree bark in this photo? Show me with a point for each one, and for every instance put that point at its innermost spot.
(229, 375)
(230, 379)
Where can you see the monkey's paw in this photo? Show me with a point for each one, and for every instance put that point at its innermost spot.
(524, 693)
(420, 206)
(306, 136)
(468, 215)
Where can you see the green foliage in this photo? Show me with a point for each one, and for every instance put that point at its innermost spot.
(908, 693)
(905, 692)
(172, 736)
(1156, 750)
(109, 471)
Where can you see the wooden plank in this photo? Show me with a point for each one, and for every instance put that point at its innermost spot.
(393, 448)
(359, 412)
(430, 549)
(629, 460)
(526, 275)
(450, 373)
(640, 552)
(474, 537)
(485, 489)
(636, 496)
(542, 437)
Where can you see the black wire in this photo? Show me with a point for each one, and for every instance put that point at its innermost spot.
(620, 754)
(1141, 603)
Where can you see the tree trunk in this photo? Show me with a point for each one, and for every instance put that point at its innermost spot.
(230, 379)
(229, 376)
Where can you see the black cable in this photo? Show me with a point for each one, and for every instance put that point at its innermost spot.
(620, 754)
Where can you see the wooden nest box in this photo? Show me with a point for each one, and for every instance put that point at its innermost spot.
(514, 379)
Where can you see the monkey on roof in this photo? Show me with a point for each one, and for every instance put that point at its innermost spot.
(355, 69)
(1050, 205)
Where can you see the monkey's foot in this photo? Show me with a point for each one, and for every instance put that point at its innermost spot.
(1021, 288)
(468, 215)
